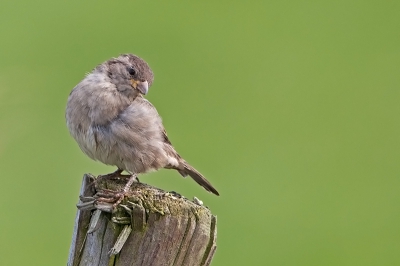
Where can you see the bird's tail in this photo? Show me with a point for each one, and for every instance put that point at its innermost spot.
(199, 178)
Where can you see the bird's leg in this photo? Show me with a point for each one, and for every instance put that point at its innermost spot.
(117, 172)
(116, 197)
(115, 175)
(125, 190)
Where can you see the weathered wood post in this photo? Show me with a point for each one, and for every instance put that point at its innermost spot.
(149, 227)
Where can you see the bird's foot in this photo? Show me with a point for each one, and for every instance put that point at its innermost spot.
(116, 197)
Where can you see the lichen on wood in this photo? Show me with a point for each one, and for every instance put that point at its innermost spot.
(164, 228)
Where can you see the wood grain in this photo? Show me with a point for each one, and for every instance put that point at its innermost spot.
(164, 228)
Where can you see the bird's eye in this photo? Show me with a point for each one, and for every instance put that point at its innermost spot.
(131, 71)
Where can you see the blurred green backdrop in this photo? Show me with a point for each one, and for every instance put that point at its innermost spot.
(290, 108)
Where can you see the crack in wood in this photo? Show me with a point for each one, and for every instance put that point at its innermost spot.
(166, 229)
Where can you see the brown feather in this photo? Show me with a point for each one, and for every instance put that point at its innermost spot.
(197, 176)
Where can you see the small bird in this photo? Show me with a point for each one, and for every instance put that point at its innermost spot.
(113, 123)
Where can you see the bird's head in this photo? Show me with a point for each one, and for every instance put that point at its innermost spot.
(130, 74)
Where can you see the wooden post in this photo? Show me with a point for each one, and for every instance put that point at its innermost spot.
(149, 227)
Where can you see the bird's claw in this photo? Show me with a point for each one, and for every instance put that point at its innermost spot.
(115, 197)
(110, 197)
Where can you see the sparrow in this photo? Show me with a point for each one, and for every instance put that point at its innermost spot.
(113, 123)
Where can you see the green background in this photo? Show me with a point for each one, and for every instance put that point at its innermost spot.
(290, 108)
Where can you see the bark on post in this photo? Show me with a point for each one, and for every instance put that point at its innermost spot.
(149, 227)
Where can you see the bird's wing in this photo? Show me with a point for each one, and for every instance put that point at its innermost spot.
(165, 136)
(161, 126)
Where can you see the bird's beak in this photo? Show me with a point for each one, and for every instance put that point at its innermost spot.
(142, 86)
